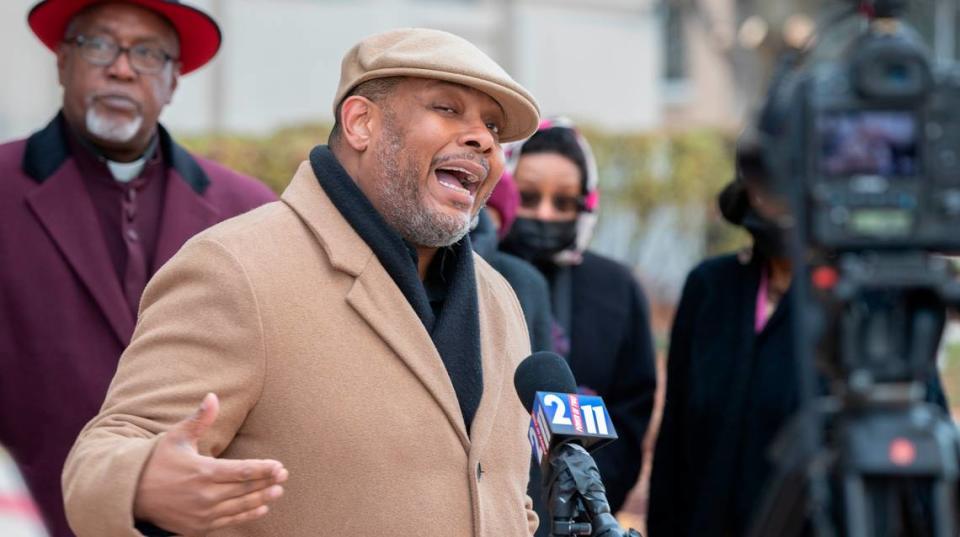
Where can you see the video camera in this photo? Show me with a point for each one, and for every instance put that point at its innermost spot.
(861, 134)
(872, 135)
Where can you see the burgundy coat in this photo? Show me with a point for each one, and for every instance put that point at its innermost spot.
(63, 318)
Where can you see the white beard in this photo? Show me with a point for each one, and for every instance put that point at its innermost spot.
(112, 130)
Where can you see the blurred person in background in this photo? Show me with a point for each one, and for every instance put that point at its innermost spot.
(493, 223)
(599, 307)
(18, 514)
(503, 204)
(731, 375)
(90, 207)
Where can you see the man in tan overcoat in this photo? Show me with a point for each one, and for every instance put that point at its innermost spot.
(350, 351)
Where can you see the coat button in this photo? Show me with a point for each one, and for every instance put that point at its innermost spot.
(479, 471)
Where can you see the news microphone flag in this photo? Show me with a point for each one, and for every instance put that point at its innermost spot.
(560, 417)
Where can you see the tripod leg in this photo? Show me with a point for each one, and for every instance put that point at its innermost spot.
(859, 523)
(944, 511)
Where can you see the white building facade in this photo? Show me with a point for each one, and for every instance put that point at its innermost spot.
(594, 60)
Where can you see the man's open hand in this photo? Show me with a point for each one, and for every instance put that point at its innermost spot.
(186, 493)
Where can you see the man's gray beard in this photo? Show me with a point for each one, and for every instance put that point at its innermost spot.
(109, 130)
(403, 200)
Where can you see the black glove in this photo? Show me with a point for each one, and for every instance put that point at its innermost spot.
(574, 488)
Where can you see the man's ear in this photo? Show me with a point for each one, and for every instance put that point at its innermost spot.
(358, 116)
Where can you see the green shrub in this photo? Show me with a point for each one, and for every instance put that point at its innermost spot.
(643, 171)
(683, 169)
(273, 159)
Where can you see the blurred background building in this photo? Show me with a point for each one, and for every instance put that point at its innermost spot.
(625, 65)
(280, 60)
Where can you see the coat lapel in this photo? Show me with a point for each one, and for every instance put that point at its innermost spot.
(381, 304)
(185, 213)
(748, 287)
(63, 207)
(494, 355)
(374, 295)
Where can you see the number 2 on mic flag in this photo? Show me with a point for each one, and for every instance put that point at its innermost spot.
(558, 417)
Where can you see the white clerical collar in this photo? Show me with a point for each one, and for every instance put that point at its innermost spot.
(125, 172)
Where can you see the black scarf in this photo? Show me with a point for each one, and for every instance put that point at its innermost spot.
(449, 311)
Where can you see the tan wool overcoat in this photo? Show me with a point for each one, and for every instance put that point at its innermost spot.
(321, 363)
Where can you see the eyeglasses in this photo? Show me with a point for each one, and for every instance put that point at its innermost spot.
(563, 204)
(103, 51)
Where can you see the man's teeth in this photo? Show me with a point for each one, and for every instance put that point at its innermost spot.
(452, 181)
(458, 188)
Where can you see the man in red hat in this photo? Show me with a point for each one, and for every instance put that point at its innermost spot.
(90, 207)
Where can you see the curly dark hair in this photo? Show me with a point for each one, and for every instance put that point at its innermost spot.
(751, 172)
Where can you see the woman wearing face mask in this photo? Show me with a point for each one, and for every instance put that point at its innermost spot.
(731, 375)
(600, 310)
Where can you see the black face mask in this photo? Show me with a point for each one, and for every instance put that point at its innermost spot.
(537, 240)
(769, 239)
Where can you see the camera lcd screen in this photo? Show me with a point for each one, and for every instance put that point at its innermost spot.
(871, 142)
(882, 222)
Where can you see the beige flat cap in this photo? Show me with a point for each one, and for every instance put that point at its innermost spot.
(426, 53)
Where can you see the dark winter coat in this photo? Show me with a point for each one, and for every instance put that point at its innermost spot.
(604, 312)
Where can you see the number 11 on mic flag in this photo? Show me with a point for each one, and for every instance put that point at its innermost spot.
(561, 417)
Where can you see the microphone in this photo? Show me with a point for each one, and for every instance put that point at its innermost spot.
(547, 389)
(563, 426)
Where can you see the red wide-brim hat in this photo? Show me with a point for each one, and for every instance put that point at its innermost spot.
(199, 34)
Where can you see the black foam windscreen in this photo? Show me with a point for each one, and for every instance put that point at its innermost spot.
(542, 372)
